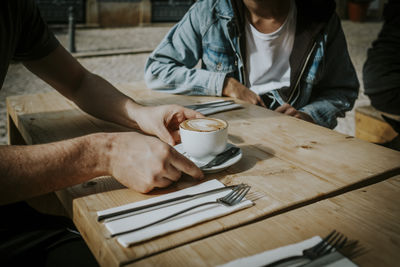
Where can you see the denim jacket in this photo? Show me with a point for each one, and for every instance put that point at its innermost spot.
(323, 82)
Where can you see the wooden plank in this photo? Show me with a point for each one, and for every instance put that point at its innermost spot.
(318, 150)
(371, 127)
(14, 136)
(370, 215)
(374, 113)
(50, 117)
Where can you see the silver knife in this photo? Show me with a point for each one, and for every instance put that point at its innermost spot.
(333, 258)
(210, 104)
(222, 157)
(160, 203)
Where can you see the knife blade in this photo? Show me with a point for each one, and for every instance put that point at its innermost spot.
(222, 157)
(160, 203)
(210, 104)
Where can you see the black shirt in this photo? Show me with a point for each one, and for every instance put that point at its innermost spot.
(24, 34)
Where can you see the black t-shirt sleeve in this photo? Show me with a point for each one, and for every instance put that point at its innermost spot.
(35, 39)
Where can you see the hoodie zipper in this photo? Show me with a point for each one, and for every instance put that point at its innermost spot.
(301, 74)
(238, 54)
(242, 70)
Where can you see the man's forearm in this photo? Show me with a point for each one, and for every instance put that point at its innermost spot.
(99, 98)
(27, 171)
(89, 91)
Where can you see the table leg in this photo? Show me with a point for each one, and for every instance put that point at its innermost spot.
(14, 136)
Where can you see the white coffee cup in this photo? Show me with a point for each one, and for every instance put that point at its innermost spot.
(203, 137)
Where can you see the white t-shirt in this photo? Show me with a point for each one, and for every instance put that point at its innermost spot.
(267, 55)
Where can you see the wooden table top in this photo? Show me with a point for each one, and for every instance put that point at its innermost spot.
(289, 162)
(370, 215)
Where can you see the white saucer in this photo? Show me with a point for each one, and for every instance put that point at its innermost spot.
(202, 162)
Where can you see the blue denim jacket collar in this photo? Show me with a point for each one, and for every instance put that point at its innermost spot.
(223, 8)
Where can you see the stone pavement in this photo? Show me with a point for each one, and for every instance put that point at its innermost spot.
(130, 68)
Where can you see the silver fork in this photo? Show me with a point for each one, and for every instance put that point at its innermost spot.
(331, 243)
(231, 199)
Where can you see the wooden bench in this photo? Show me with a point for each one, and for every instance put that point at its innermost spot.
(372, 127)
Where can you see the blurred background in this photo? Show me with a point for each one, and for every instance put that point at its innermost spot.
(113, 38)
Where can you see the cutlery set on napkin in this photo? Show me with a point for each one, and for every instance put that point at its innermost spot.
(311, 252)
(212, 107)
(138, 221)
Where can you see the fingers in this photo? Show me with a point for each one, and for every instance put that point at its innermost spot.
(171, 173)
(260, 102)
(174, 115)
(189, 114)
(176, 136)
(162, 182)
(298, 116)
(183, 164)
(287, 109)
(178, 114)
(305, 116)
(165, 135)
(172, 170)
(252, 98)
(291, 111)
(283, 108)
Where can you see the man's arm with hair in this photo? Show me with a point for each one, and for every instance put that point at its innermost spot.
(27, 171)
(96, 96)
(138, 161)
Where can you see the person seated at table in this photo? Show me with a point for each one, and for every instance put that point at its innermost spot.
(381, 70)
(288, 56)
(136, 160)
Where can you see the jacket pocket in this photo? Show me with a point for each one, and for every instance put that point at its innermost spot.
(218, 58)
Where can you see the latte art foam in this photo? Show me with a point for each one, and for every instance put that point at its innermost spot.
(203, 125)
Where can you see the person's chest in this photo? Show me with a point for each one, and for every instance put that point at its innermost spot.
(8, 41)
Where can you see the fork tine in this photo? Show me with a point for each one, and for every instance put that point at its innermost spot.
(342, 244)
(238, 196)
(241, 195)
(328, 243)
(336, 244)
(322, 242)
(234, 189)
(231, 198)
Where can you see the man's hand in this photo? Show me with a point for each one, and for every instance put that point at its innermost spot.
(291, 111)
(144, 162)
(163, 121)
(137, 161)
(234, 88)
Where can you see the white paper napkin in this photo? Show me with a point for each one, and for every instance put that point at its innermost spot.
(270, 256)
(187, 219)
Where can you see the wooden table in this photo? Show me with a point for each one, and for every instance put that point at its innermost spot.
(370, 215)
(289, 163)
